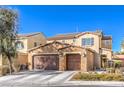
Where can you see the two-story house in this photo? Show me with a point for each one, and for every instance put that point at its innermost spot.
(24, 42)
(97, 41)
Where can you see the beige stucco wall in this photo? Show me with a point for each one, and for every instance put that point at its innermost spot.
(108, 53)
(96, 45)
(22, 58)
(30, 55)
(90, 61)
(62, 62)
(36, 38)
(83, 61)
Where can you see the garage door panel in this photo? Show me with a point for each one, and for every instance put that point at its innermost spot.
(38, 63)
(73, 61)
(47, 62)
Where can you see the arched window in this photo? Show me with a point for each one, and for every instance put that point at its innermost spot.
(19, 45)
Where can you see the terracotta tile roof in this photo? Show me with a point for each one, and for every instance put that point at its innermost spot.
(56, 42)
(106, 49)
(77, 47)
(28, 35)
(71, 36)
(47, 44)
(88, 32)
(119, 56)
(106, 37)
(63, 36)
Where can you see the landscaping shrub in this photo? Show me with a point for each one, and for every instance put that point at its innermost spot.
(98, 77)
(121, 79)
(107, 77)
(116, 77)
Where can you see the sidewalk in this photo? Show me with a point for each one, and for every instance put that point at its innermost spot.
(84, 84)
(93, 84)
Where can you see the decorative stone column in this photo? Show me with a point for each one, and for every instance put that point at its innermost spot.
(61, 62)
(84, 61)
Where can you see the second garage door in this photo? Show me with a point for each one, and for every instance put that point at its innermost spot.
(46, 62)
(73, 61)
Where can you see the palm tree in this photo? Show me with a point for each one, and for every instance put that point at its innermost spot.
(8, 32)
(122, 47)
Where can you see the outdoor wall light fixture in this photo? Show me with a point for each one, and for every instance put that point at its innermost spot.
(84, 54)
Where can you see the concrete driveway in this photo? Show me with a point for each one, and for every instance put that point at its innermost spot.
(51, 79)
(36, 78)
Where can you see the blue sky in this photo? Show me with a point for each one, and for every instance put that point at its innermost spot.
(52, 20)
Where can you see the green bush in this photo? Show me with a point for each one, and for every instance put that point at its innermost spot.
(98, 77)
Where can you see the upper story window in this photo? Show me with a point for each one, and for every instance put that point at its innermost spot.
(107, 44)
(35, 44)
(19, 45)
(74, 40)
(63, 41)
(87, 41)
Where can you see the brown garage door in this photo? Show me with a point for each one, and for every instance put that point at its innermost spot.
(46, 62)
(73, 61)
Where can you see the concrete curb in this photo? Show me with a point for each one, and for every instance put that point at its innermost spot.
(96, 83)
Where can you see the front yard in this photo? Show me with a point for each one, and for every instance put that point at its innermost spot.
(98, 77)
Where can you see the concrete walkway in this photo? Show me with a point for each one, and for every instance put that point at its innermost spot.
(51, 79)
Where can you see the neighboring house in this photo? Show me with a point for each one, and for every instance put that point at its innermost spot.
(97, 41)
(27, 41)
(119, 57)
(24, 42)
(61, 56)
